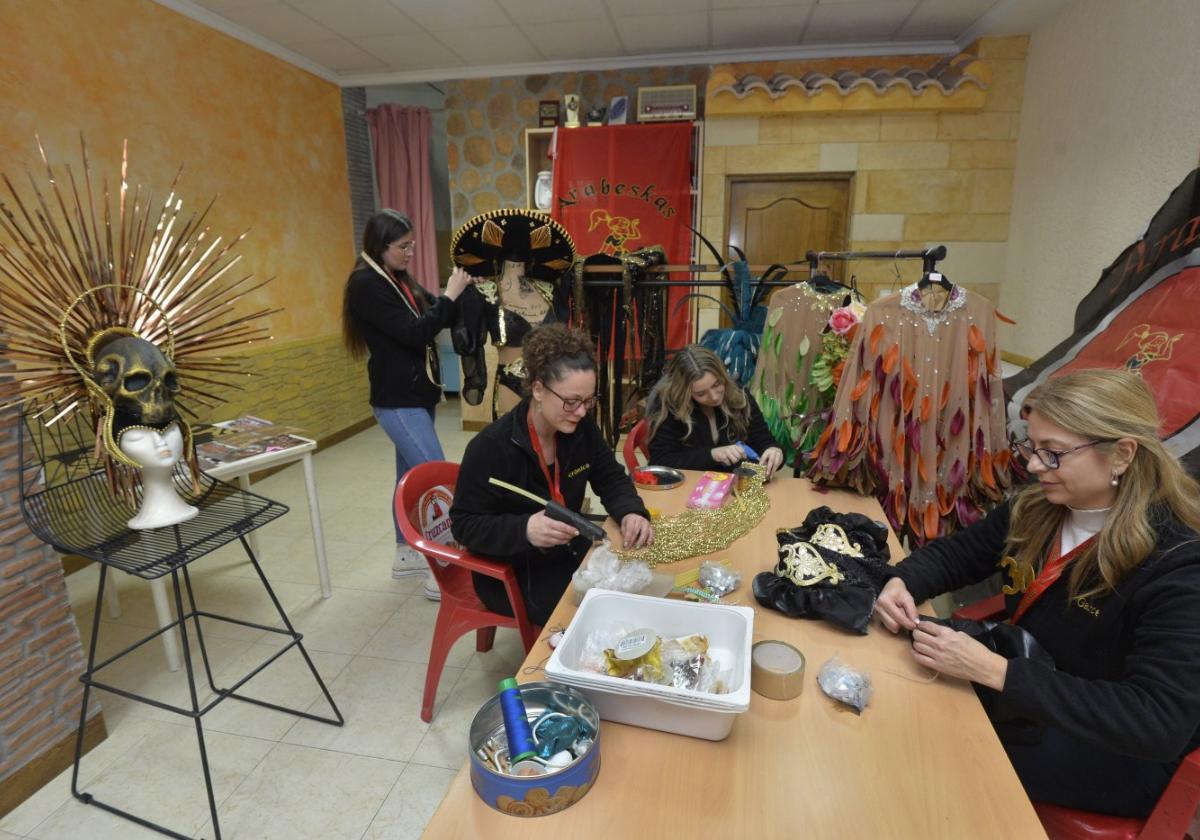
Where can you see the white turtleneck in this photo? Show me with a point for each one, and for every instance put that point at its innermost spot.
(1080, 526)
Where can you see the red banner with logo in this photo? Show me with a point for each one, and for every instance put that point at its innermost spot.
(1140, 316)
(624, 187)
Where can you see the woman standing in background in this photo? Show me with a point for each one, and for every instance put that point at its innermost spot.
(394, 322)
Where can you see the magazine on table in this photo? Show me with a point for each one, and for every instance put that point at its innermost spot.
(244, 437)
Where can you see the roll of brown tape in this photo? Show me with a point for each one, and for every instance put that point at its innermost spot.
(776, 670)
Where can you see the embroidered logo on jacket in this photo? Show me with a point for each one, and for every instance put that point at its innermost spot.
(1086, 605)
(1021, 575)
(578, 470)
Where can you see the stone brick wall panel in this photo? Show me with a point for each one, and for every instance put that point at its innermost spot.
(40, 653)
(486, 119)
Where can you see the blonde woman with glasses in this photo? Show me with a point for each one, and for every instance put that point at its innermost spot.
(1101, 565)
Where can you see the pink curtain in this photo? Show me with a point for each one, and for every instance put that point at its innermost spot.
(400, 140)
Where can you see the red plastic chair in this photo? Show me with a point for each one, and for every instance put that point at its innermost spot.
(638, 440)
(1168, 821)
(460, 610)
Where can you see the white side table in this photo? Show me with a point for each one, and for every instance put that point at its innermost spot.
(241, 470)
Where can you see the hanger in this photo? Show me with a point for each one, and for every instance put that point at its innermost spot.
(932, 277)
(818, 278)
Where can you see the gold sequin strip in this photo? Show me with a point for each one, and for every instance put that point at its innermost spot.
(695, 531)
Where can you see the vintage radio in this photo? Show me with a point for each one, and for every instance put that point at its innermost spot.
(663, 104)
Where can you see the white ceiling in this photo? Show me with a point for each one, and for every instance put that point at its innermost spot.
(355, 42)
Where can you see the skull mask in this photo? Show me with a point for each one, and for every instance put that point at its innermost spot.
(138, 378)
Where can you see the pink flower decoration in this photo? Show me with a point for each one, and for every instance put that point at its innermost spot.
(842, 320)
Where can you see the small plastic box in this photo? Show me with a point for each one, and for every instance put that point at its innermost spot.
(711, 490)
(730, 631)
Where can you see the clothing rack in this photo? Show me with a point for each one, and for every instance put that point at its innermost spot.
(929, 258)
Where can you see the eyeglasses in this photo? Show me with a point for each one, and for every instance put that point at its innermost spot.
(572, 403)
(406, 247)
(1051, 458)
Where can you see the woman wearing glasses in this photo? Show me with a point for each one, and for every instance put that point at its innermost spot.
(698, 416)
(550, 446)
(389, 318)
(1102, 563)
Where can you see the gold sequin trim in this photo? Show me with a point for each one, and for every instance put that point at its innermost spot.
(695, 532)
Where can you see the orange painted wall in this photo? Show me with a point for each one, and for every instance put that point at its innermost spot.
(262, 135)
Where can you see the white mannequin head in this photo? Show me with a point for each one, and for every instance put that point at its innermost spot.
(152, 447)
(157, 451)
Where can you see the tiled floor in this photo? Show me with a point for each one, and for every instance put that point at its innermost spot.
(276, 776)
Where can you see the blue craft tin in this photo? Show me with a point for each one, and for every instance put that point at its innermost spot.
(549, 793)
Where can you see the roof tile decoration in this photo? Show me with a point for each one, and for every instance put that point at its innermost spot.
(952, 82)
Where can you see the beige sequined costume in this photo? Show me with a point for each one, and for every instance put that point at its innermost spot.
(790, 397)
(919, 418)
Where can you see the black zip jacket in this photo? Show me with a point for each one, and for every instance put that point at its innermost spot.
(1127, 675)
(672, 446)
(397, 340)
(490, 520)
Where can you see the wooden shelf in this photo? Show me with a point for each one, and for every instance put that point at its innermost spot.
(537, 147)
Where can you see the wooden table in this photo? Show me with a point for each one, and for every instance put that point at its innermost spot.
(922, 761)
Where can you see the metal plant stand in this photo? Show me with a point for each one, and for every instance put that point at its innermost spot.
(66, 501)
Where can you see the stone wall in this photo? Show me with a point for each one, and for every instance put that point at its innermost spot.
(918, 178)
(486, 119)
(40, 653)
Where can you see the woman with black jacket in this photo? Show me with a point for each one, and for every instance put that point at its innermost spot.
(1102, 564)
(698, 415)
(549, 445)
(389, 318)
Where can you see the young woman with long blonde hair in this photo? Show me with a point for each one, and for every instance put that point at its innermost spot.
(698, 415)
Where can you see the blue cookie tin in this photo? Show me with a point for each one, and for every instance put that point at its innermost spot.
(549, 793)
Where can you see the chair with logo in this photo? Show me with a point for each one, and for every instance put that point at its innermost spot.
(460, 611)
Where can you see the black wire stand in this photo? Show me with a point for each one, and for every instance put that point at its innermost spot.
(67, 502)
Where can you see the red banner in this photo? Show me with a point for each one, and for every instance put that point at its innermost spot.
(1141, 316)
(1157, 337)
(624, 187)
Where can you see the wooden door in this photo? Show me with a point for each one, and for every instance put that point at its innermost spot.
(776, 220)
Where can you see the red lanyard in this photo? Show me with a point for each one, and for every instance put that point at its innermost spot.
(555, 491)
(402, 287)
(1049, 574)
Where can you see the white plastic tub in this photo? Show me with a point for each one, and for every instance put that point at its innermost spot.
(730, 631)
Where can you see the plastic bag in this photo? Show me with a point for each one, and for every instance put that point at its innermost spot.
(719, 578)
(645, 668)
(684, 660)
(605, 570)
(844, 684)
(592, 658)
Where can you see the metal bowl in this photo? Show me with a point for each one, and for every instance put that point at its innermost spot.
(668, 477)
